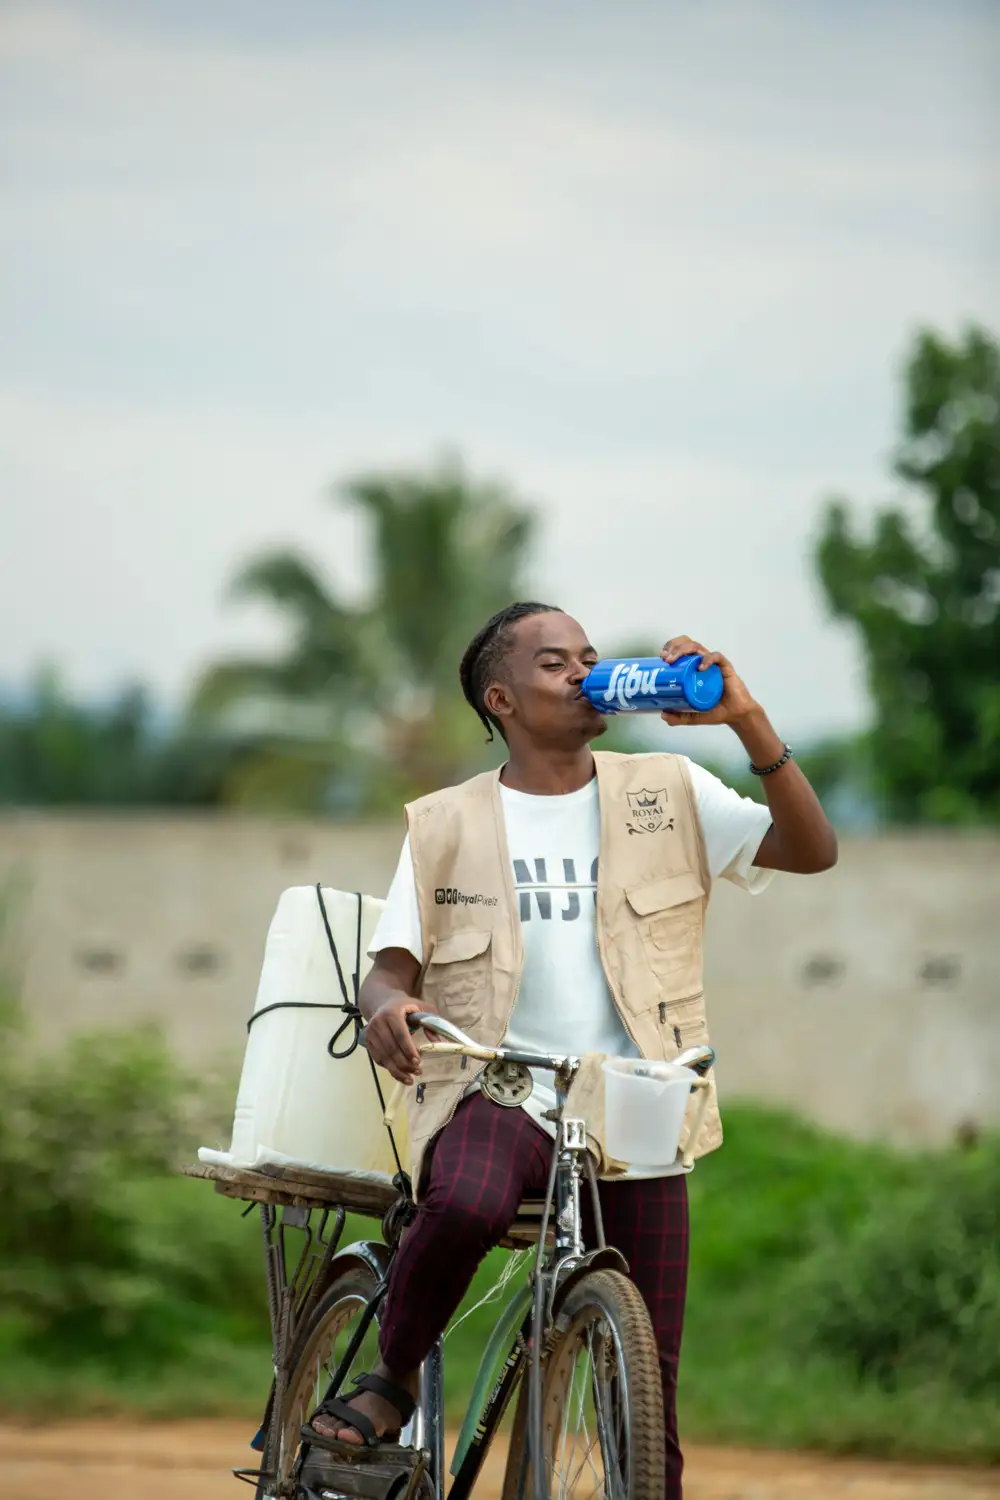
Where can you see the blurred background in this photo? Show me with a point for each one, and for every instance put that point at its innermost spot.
(327, 331)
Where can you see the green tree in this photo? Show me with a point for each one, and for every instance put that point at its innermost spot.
(923, 590)
(55, 751)
(362, 706)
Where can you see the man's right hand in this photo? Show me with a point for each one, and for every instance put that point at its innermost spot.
(391, 1042)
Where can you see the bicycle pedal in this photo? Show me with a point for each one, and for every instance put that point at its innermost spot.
(386, 1474)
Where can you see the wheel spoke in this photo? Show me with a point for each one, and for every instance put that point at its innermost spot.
(614, 1447)
(586, 1385)
(588, 1452)
(600, 1416)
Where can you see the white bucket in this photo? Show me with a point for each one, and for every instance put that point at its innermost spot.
(644, 1108)
(296, 1104)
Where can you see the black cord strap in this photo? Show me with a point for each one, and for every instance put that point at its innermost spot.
(292, 1005)
(348, 1003)
(354, 1016)
(350, 1007)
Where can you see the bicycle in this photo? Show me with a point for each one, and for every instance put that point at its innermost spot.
(575, 1343)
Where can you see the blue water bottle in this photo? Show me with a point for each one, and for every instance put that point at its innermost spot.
(648, 684)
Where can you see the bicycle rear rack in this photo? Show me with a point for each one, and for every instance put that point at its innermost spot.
(293, 1289)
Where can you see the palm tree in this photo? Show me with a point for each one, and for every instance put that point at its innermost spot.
(363, 707)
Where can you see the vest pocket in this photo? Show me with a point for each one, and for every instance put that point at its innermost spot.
(669, 915)
(459, 976)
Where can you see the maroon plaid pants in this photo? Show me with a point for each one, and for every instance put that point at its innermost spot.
(482, 1165)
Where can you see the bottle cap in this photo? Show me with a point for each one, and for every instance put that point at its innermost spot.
(702, 689)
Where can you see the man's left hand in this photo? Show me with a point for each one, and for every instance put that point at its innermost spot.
(736, 702)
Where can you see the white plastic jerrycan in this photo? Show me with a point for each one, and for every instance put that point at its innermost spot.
(296, 1103)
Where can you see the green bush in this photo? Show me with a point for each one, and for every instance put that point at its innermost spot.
(841, 1295)
(914, 1290)
(105, 1253)
(775, 1217)
(777, 1188)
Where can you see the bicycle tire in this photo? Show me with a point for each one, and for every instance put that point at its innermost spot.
(311, 1362)
(610, 1297)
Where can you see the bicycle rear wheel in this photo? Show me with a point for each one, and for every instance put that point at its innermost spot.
(602, 1401)
(321, 1347)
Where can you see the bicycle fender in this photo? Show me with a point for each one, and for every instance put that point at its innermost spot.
(607, 1259)
(367, 1255)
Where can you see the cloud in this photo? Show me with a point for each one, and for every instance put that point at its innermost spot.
(657, 265)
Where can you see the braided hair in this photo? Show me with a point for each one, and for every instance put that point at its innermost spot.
(485, 653)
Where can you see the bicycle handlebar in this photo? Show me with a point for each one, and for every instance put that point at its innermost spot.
(698, 1059)
(424, 1021)
(457, 1043)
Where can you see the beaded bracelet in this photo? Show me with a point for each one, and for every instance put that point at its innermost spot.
(766, 770)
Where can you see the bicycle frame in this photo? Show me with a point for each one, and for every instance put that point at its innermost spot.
(525, 1321)
(532, 1309)
(522, 1327)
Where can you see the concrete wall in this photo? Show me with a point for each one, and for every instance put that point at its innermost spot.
(868, 998)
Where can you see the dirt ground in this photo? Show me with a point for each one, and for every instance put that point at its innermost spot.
(192, 1460)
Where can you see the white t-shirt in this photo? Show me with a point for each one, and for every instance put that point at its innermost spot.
(563, 1002)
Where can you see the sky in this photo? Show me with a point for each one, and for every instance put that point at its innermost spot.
(657, 266)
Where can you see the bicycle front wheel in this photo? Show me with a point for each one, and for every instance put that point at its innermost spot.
(602, 1401)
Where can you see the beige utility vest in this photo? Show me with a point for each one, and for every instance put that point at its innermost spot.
(652, 893)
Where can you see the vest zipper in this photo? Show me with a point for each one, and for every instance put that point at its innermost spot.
(515, 920)
(663, 1022)
(512, 900)
(597, 920)
(611, 991)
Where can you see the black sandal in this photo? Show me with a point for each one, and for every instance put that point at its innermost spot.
(339, 1408)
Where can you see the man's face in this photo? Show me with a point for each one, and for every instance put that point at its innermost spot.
(539, 692)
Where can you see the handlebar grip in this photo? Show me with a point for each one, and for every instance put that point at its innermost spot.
(698, 1059)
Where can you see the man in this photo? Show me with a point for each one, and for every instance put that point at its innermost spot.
(497, 918)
